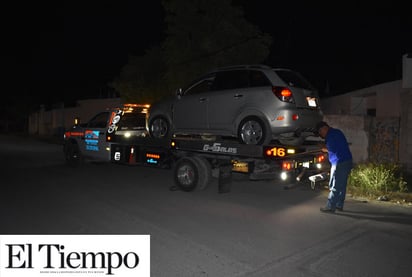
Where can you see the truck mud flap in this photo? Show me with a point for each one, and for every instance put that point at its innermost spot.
(225, 178)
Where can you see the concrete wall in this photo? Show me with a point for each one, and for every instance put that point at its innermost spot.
(388, 103)
(86, 109)
(340, 104)
(407, 70)
(384, 98)
(54, 122)
(405, 142)
(356, 129)
(387, 135)
(384, 140)
(375, 139)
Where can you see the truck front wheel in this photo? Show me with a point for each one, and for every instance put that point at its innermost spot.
(72, 155)
(186, 173)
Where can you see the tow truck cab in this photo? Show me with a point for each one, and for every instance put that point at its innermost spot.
(91, 140)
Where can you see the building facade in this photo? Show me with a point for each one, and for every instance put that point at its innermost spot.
(377, 119)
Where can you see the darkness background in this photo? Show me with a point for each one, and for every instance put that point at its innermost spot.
(65, 51)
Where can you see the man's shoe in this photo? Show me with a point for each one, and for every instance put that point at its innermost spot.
(327, 210)
(339, 209)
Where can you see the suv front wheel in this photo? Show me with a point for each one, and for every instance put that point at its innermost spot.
(159, 128)
(252, 131)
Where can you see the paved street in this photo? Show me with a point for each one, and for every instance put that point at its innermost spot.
(257, 229)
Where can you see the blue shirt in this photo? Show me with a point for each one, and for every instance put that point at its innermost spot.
(338, 147)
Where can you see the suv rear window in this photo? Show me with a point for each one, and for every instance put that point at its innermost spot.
(294, 79)
(258, 79)
(240, 79)
(231, 80)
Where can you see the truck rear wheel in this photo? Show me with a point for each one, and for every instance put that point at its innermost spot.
(186, 173)
(205, 172)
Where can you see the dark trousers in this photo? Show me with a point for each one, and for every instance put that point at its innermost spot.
(339, 174)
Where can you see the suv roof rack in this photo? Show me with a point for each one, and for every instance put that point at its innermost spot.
(243, 66)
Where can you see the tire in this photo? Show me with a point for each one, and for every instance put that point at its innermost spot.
(159, 128)
(252, 131)
(72, 155)
(205, 172)
(186, 173)
(292, 141)
(208, 137)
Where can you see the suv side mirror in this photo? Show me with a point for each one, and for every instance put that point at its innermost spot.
(179, 92)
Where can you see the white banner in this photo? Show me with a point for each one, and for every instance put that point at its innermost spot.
(74, 255)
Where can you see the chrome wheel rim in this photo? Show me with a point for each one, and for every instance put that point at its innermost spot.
(186, 175)
(251, 132)
(159, 128)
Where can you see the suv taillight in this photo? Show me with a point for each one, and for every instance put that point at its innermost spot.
(284, 94)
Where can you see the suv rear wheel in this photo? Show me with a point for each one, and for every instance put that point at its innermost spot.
(252, 131)
(292, 141)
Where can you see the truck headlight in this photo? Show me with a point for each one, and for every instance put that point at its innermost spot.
(283, 176)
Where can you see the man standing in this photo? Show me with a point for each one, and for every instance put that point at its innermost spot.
(340, 158)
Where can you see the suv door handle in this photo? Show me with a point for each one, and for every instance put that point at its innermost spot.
(202, 99)
(238, 95)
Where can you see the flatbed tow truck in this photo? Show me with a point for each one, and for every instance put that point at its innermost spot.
(195, 161)
(121, 137)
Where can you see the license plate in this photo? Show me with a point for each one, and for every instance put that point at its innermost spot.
(311, 101)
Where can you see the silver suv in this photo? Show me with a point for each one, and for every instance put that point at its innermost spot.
(254, 103)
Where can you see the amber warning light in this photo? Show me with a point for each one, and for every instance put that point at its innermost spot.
(152, 158)
(151, 155)
(279, 152)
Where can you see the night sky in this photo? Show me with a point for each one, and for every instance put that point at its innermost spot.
(71, 49)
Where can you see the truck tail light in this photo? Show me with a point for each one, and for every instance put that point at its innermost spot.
(320, 158)
(287, 165)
